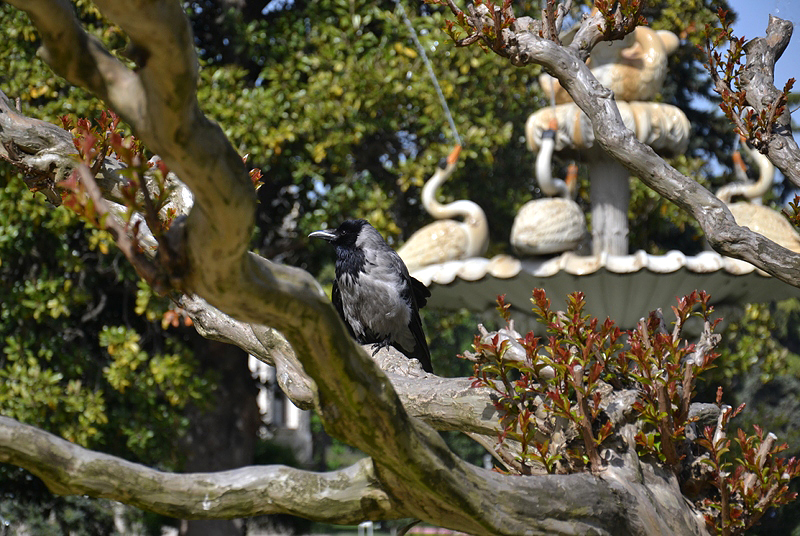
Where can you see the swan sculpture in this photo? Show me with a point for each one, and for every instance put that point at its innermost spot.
(554, 224)
(634, 68)
(752, 213)
(446, 239)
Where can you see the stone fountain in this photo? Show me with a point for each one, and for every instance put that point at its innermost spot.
(618, 284)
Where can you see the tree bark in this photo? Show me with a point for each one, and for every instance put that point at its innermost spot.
(758, 80)
(346, 496)
(629, 499)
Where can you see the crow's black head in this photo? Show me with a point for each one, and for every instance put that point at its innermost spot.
(344, 236)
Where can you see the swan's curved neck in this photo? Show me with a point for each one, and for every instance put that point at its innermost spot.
(472, 214)
(431, 188)
(752, 190)
(544, 176)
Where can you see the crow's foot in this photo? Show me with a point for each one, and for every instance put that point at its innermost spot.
(385, 343)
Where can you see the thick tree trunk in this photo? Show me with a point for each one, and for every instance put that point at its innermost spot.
(223, 432)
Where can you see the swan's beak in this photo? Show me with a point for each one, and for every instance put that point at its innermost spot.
(453, 156)
(572, 179)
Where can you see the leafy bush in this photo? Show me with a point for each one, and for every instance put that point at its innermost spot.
(561, 400)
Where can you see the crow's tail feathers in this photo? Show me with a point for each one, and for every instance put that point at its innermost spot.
(420, 292)
(421, 351)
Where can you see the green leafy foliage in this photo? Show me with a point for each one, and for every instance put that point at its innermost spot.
(78, 516)
(145, 191)
(157, 387)
(665, 371)
(336, 140)
(581, 360)
(794, 210)
(752, 345)
(656, 225)
(52, 295)
(553, 374)
(83, 354)
(42, 292)
(341, 140)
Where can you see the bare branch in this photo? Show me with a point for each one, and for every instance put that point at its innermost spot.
(561, 11)
(549, 27)
(345, 496)
(585, 425)
(758, 81)
(262, 342)
(523, 45)
(42, 150)
(751, 479)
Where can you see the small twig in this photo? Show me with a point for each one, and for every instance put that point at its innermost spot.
(96, 310)
(562, 10)
(501, 454)
(722, 421)
(549, 18)
(720, 436)
(763, 504)
(708, 341)
(497, 17)
(676, 331)
(468, 40)
(761, 459)
(99, 158)
(641, 327)
(402, 531)
(585, 424)
(687, 386)
(665, 428)
(150, 212)
(454, 8)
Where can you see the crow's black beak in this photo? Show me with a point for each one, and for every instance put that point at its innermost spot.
(325, 234)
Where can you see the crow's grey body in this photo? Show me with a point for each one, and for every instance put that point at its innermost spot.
(373, 292)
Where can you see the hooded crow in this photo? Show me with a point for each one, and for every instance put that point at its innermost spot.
(373, 292)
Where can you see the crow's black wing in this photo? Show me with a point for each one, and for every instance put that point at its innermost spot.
(416, 292)
(416, 295)
(336, 298)
(421, 350)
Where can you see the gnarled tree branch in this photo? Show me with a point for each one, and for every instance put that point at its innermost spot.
(345, 496)
(758, 81)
